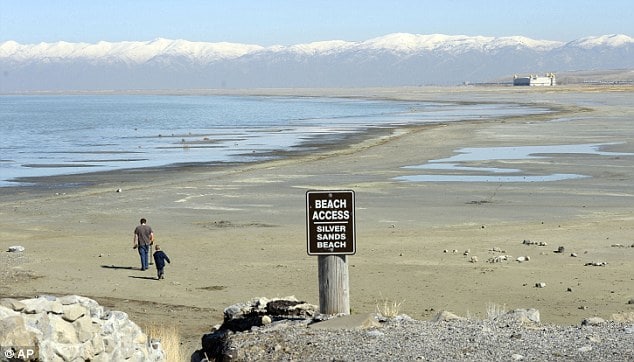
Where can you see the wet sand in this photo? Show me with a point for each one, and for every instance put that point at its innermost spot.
(235, 232)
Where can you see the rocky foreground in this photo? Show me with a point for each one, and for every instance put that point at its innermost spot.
(75, 328)
(251, 332)
(70, 328)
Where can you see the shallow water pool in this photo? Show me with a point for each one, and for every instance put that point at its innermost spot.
(460, 168)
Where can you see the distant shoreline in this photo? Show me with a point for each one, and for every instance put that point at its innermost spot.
(327, 92)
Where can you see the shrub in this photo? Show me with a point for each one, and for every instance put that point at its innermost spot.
(170, 339)
(388, 309)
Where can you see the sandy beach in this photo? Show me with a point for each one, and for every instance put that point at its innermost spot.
(236, 232)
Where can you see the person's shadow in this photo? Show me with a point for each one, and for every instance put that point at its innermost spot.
(118, 267)
(137, 277)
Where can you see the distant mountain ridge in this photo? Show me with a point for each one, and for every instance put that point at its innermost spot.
(390, 60)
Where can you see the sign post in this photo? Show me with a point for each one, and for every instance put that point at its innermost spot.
(330, 232)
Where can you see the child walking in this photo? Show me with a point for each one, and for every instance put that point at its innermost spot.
(159, 259)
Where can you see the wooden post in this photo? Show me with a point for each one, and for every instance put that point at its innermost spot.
(334, 292)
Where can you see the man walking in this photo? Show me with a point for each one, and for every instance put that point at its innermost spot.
(143, 238)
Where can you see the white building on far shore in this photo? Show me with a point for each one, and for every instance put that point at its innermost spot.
(547, 80)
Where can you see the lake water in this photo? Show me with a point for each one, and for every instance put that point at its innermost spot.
(464, 159)
(45, 135)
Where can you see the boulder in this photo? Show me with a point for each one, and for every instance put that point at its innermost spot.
(14, 304)
(522, 315)
(592, 321)
(623, 317)
(41, 305)
(257, 313)
(446, 316)
(73, 312)
(243, 316)
(7, 312)
(14, 332)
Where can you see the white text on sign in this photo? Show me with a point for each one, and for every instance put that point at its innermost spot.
(331, 204)
(331, 232)
(329, 214)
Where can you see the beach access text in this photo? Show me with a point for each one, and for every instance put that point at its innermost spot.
(330, 222)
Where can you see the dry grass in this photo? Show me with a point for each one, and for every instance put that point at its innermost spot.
(389, 309)
(495, 310)
(170, 338)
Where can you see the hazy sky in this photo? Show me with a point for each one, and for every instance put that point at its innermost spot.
(287, 22)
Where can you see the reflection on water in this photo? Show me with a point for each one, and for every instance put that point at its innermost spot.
(464, 156)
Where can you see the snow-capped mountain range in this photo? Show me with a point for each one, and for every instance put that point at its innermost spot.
(394, 59)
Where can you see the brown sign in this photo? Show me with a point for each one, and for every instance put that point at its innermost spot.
(330, 222)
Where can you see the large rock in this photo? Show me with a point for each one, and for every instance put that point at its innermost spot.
(446, 316)
(242, 317)
(530, 315)
(42, 304)
(14, 332)
(73, 328)
(13, 304)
